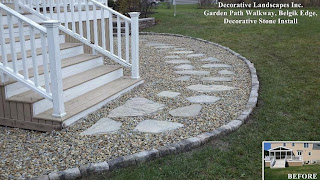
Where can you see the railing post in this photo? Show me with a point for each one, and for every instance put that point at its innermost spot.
(55, 67)
(135, 44)
(107, 3)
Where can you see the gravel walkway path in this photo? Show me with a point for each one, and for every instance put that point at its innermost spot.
(28, 153)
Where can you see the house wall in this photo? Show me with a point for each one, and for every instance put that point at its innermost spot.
(315, 154)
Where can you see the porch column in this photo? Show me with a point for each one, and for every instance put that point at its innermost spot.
(280, 152)
(285, 157)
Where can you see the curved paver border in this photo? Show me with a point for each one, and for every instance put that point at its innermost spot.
(174, 148)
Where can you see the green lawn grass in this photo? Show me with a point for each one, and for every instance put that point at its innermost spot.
(282, 174)
(287, 59)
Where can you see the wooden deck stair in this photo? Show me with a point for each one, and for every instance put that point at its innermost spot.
(88, 101)
(88, 84)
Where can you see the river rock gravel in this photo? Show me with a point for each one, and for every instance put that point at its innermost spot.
(26, 153)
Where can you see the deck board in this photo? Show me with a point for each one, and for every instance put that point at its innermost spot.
(90, 99)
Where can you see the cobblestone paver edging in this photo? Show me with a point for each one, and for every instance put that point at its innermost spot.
(174, 148)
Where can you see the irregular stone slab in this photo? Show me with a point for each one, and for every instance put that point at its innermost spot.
(184, 66)
(209, 88)
(210, 59)
(164, 47)
(226, 72)
(180, 49)
(168, 94)
(194, 55)
(157, 44)
(183, 78)
(193, 72)
(216, 66)
(178, 61)
(203, 99)
(136, 107)
(182, 52)
(154, 126)
(103, 126)
(186, 111)
(228, 79)
(172, 57)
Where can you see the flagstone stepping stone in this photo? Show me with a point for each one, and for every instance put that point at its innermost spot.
(103, 126)
(186, 111)
(136, 107)
(157, 44)
(216, 66)
(182, 52)
(164, 47)
(184, 66)
(180, 49)
(203, 99)
(211, 59)
(226, 72)
(194, 55)
(228, 79)
(183, 78)
(169, 94)
(154, 126)
(193, 72)
(172, 57)
(178, 61)
(209, 88)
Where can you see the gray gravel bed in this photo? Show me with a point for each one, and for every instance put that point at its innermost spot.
(29, 153)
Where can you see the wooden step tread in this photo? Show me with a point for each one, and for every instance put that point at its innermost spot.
(90, 99)
(69, 82)
(64, 63)
(39, 51)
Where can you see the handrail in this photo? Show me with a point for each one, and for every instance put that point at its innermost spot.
(131, 57)
(78, 37)
(272, 161)
(23, 18)
(112, 11)
(18, 69)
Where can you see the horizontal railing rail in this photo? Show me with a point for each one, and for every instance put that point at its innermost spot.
(70, 13)
(17, 65)
(297, 158)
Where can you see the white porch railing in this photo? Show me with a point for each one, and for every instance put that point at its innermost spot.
(267, 158)
(52, 85)
(80, 11)
(297, 158)
(6, 1)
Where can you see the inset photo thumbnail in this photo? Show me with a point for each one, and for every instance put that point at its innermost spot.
(290, 160)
